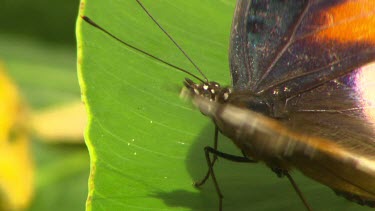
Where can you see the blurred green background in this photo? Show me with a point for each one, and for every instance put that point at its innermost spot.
(38, 49)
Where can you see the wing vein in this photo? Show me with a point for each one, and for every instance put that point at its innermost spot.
(313, 72)
(286, 46)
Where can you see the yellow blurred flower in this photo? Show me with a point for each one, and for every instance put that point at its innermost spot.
(16, 166)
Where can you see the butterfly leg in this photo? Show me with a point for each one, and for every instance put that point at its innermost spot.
(203, 181)
(234, 158)
(283, 172)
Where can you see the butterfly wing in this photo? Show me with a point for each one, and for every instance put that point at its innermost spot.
(312, 60)
(282, 48)
(341, 110)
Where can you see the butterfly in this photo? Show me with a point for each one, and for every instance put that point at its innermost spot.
(283, 104)
(302, 76)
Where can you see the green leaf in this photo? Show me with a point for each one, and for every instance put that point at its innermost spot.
(146, 144)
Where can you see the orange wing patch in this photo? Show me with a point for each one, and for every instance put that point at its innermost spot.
(351, 21)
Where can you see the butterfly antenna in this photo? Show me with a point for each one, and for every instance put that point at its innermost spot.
(92, 23)
(170, 37)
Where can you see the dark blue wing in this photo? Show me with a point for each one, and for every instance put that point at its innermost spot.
(280, 48)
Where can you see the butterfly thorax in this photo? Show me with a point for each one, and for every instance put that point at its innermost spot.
(253, 102)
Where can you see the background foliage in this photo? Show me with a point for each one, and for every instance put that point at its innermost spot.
(37, 47)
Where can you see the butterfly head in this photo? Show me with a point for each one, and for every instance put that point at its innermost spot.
(209, 90)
